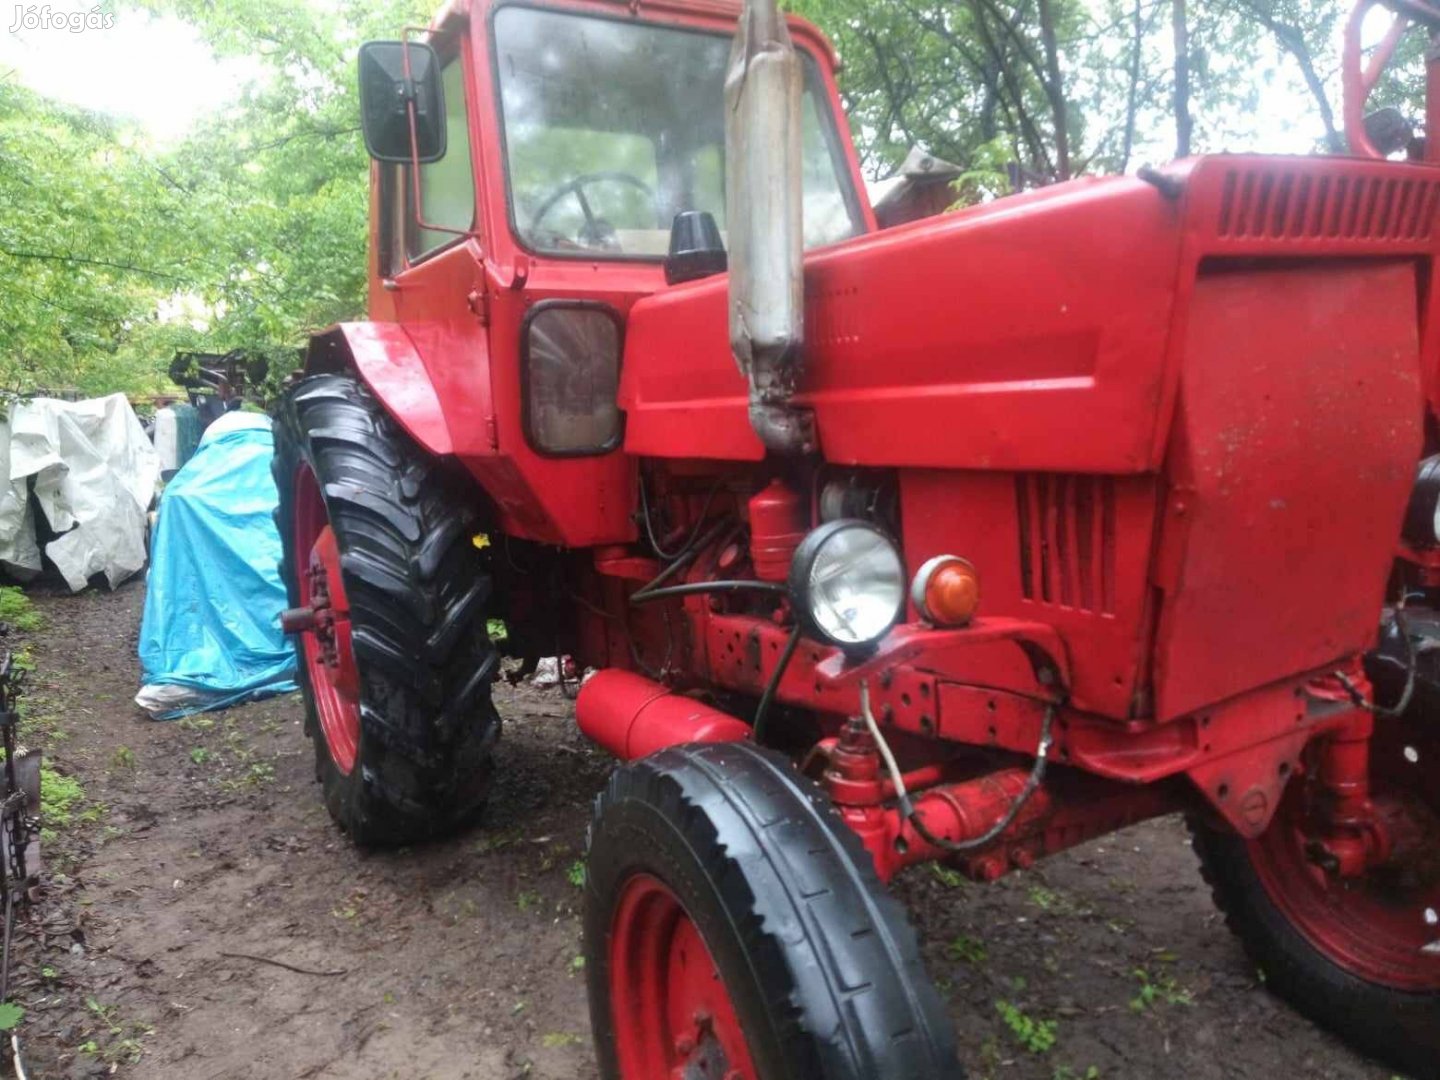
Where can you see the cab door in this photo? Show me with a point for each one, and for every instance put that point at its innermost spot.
(432, 251)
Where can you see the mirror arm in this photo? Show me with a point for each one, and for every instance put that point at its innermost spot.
(410, 97)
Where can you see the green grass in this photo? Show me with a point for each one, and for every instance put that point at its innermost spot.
(17, 610)
(63, 803)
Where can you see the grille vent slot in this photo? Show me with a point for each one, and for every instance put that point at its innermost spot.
(1067, 540)
(1268, 204)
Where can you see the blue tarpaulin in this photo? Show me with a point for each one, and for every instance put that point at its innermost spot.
(210, 636)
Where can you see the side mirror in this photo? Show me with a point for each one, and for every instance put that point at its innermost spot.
(385, 97)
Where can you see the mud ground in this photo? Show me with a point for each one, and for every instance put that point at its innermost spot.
(202, 851)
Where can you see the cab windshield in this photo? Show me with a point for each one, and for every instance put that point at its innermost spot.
(613, 127)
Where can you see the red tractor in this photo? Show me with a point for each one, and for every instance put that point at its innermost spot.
(967, 540)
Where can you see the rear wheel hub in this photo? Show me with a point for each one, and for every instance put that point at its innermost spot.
(323, 622)
(1383, 924)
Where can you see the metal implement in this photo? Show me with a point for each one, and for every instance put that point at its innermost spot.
(18, 834)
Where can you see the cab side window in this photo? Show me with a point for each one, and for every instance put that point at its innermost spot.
(447, 186)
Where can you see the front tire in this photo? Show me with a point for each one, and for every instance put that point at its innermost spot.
(735, 928)
(400, 712)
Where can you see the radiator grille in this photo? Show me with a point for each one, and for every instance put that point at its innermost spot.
(1270, 204)
(1067, 540)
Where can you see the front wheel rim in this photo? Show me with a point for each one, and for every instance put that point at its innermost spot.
(672, 1014)
(1384, 926)
(326, 646)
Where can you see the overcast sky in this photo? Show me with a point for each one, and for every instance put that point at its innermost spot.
(155, 71)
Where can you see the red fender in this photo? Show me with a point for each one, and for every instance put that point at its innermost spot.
(386, 360)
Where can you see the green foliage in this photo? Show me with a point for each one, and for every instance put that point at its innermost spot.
(576, 873)
(61, 798)
(948, 876)
(1035, 1035)
(16, 608)
(970, 950)
(10, 1015)
(1158, 989)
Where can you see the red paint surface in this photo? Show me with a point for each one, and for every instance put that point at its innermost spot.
(662, 970)
(329, 658)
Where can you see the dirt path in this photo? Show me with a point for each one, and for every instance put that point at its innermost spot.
(460, 959)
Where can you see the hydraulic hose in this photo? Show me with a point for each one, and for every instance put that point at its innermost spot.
(907, 807)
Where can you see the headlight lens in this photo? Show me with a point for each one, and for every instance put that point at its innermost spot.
(848, 583)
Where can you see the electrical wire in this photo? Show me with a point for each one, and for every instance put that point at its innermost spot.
(650, 525)
(1411, 666)
(762, 710)
(907, 807)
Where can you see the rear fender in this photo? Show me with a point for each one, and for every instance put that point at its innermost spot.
(385, 359)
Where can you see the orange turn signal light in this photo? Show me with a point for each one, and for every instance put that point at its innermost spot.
(946, 591)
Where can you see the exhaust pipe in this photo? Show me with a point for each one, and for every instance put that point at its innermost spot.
(763, 212)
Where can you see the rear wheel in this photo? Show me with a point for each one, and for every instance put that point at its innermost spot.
(388, 600)
(1359, 955)
(735, 930)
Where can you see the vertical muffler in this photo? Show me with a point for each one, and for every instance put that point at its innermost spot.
(763, 211)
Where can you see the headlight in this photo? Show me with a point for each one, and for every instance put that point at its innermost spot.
(848, 583)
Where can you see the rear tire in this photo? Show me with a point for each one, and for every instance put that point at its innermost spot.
(417, 591)
(813, 971)
(1398, 1027)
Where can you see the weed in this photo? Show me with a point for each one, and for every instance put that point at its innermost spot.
(198, 722)
(124, 1046)
(350, 909)
(1064, 1072)
(1044, 898)
(576, 873)
(10, 1015)
(970, 950)
(554, 1039)
(123, 758)
(1035, 1035)
(528, 899)
(577, 964)
(259, 774)
(948, 876)
(1156, 989)
(199, 755)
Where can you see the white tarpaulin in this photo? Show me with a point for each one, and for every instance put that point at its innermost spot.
(94, 474)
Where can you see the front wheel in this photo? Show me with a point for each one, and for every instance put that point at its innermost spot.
(1360, 956)
(735, 930)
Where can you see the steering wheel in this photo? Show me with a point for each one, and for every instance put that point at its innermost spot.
(1359, 78)
(596, 232)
